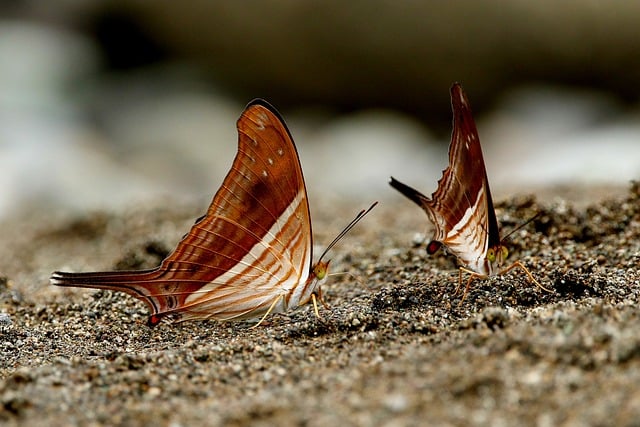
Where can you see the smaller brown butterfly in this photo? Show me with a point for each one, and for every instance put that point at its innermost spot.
(461, 208)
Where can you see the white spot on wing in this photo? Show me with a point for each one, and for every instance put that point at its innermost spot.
(280, 152)
(463, 100)
(270, 160)
(264, 173)
(261, 119)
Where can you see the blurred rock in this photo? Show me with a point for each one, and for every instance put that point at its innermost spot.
(546, 136)
(46, 147)
(354, 155)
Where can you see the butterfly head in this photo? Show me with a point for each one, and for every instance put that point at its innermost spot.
(320, 270)
(318, 274)
(497, 255)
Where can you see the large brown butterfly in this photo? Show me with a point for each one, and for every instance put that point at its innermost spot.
(461, 208)
(250, 254)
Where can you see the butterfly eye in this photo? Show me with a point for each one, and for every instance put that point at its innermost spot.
(491, 254)
(504, 252)
(320, 270)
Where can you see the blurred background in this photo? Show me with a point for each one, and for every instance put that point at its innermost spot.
(108, 103)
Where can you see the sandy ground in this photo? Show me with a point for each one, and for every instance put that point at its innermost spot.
(396, 348)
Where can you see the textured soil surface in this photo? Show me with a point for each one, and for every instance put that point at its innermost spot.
(396, 348)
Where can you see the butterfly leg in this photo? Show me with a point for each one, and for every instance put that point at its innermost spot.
(315, 297)
(315, 306)
(520, 265)
(459, 281)
(322, 301)
(473, 276)
(271, 307)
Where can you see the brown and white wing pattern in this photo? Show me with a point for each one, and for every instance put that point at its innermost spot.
(251, 250)
(461, 208)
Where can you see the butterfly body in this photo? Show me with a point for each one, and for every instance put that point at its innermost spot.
(461, 208)
(250, 254)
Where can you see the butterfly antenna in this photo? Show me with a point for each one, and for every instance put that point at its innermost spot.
(347, 273)
(504, 239)
(348, 228)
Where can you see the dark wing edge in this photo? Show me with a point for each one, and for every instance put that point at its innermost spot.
(411, 193)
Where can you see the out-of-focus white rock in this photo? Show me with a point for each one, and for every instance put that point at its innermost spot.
(50, 156)
(543, 136)
(40, 66)
(354, 156)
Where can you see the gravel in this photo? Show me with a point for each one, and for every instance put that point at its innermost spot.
(396, 348)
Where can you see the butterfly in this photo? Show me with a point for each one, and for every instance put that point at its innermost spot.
(250, 254)
(461, 208)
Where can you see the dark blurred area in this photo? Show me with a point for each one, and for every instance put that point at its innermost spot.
(398, 55)
(352, 55)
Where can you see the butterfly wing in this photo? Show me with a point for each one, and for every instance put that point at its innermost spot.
(252, 248)
(461, 208)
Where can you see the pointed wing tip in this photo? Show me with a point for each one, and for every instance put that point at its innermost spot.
(262, 103)
(459, 98)
(456, 89)
(57, 278)
(395, 183)
(409, 192)
(61, 278)
(400, 186)
(258, 101)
